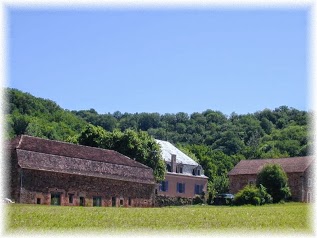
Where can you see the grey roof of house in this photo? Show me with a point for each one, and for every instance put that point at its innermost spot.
(168, 149)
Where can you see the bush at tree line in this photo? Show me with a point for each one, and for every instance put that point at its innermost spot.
(252, 195)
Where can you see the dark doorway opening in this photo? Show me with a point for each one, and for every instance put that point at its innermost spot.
(56, 199)
(81, 201)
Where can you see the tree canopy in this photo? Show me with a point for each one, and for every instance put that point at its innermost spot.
(274, 179)
(136, 145)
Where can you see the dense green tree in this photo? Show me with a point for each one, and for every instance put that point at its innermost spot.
(136, 145)
(27, 114)
(274, 179)
(92, 136)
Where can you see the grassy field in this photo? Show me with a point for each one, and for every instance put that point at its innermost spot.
(290, 217)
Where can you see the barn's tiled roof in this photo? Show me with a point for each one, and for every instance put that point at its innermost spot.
(56, 156)
(168, 149)
(290, 165)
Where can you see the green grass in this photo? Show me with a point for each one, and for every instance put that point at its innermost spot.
(289, 217)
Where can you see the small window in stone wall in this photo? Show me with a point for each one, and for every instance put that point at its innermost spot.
(96, 201)
(81, 201)
(70, 198)
(38, 201)
(309, 183)
(55, 199)
(114, 201)
(251, 182)
(129, 201)
(121, 202)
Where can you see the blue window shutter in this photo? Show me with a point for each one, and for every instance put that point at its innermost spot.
(183, 187)
(166, 186)
(177, 187)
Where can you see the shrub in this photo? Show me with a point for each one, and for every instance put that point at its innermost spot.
(198, 200)
(161, 201)
(246, 195)
(252, 195)
(256, 201)
(264, 195)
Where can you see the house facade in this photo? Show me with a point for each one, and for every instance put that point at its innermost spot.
(58, 173)
(184, 176)
(299, 170)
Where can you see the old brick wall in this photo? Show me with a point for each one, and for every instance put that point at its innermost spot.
(13, 176)
(238, 182)
(296, 181)
(309, 178)
(40, 184)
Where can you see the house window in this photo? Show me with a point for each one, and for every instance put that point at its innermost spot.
(129, 201)
(70, 198)
(196, 171)
(164, 186)
(55, 199)
(96, 201)
(179, 169)
(180, 187)
(198, 188)
(251, 182)
(168, 168)
(38, 201)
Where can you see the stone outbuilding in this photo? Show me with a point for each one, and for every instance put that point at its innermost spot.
(184, 177)
(299, 171)
(52, 172)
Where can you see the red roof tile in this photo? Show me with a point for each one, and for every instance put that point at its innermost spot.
(290, 165)
(47, 155)
(52, 147)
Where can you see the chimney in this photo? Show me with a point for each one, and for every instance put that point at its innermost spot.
(173, 163)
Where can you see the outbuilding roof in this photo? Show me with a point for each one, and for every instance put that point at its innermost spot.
(168, 149)
(290, 165)
(49, 155)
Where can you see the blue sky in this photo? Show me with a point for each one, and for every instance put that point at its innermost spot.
(160, 60)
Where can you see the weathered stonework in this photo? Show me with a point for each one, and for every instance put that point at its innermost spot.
(39, 184)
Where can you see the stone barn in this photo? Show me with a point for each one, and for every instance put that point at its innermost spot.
(299, 171)
(57, 173)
